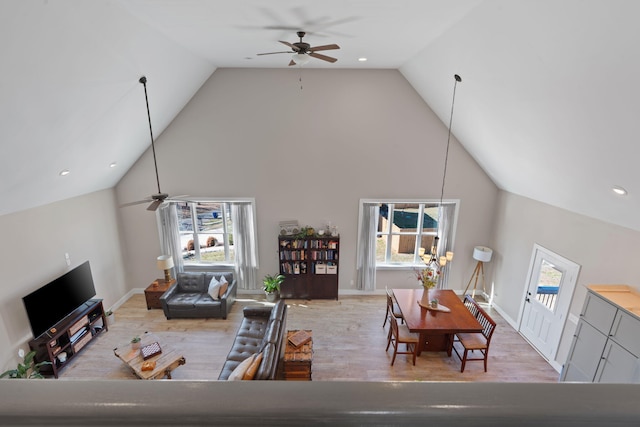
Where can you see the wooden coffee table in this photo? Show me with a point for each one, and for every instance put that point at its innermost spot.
(166, 361)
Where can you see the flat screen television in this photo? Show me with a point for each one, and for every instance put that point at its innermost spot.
(57, 299)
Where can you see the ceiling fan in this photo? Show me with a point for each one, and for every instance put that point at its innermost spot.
(302, 51)
(155, 199)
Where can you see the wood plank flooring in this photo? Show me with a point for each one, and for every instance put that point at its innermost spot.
(348, 342)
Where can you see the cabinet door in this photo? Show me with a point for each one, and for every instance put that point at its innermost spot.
(295, 286)
(598, 313)
(584, 355)
(625, 331)
(617, 365)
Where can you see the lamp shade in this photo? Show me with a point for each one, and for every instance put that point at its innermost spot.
(482, 253)
(165, 262)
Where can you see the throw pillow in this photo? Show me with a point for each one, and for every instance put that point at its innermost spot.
(223, 286)
(253, 368)
(241, 369)
(214, 288)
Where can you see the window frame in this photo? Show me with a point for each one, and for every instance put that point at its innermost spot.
(419, 233)
(228, 229)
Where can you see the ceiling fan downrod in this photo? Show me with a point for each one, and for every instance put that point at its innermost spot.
(143, 80)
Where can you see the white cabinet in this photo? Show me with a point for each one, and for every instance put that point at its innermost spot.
(617, 365)
(605, 347)
(585, 353)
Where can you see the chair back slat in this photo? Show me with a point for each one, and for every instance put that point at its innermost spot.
(471, 305)
(488, 324)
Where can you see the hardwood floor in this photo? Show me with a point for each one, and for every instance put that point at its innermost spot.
(348, 341)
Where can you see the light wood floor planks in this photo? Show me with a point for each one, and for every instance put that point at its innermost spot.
(348, 341)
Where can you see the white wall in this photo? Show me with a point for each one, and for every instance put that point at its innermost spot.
(34, 243)
(308, 154)
(607, 253)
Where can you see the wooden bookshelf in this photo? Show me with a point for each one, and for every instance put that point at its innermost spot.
(310, 265)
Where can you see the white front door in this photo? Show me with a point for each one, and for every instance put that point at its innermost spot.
(551, 282)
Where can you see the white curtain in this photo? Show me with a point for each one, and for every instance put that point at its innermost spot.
(245, 245)
(445, 233)
(366, 253)
(167, 216)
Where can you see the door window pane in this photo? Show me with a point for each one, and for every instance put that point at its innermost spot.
(548, 285)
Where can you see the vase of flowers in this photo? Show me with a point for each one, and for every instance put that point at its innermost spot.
(428, 279)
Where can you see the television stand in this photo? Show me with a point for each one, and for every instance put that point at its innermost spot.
(64, 340)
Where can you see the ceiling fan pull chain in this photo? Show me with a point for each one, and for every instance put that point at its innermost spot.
(300, 78)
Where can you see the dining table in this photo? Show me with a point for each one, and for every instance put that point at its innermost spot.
(436, 327)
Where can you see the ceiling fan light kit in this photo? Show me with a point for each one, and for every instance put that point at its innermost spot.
(300, 58)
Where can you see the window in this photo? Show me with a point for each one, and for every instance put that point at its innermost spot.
(405, 232)
(206, 232)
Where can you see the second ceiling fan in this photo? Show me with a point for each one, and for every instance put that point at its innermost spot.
(303, 51)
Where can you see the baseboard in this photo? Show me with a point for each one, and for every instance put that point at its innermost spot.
(126, 296)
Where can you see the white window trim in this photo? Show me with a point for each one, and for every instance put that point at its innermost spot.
(203, 266)
(405, 266)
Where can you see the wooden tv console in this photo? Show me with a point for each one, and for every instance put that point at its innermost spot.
(69, 336)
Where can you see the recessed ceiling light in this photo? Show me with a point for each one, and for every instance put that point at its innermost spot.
(64, 172)
(362, 59)
(113, 165)
(619, 190)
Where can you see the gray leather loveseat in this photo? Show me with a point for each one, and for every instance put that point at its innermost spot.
(263, 329)
(189, 297)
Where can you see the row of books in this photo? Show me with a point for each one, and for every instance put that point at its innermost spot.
(323, 244)
(292, 255)
(294, 244)
(293, 268)
(301, 268)
(331, 255)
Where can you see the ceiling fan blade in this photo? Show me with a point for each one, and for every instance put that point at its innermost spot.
(324, 47)
(139, 202)
(323, 57)
(273, 53)
(295, 48)
(292, 62)
(154, 205)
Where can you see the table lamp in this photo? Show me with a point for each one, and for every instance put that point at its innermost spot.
(165, 262)
(481, 254)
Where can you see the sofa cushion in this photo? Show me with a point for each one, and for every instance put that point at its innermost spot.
(240, 370)
(278, 310)
(205, 301)
(269, 362)
(185, 299)
(192, 282)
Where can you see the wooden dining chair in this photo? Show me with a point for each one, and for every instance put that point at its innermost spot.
(399, 334)
(392, 308)
(479, 341)
(471, 305)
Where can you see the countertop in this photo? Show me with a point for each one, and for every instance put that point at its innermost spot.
(623, 296)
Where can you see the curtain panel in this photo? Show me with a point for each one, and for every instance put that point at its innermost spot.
(446, 213)
(245, 245)
(366, 251)
(167, 217)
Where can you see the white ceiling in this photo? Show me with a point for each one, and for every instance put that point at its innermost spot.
(547, 106)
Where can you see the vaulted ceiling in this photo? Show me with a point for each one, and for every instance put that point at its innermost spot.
(547, 105)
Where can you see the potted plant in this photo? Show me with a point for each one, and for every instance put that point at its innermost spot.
(27, 369)
(272, 286)
(135, 342)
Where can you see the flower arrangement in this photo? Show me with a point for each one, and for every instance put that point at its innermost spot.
(428, 277)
